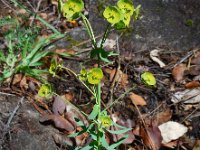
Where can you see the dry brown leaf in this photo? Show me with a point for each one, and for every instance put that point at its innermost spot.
(164, 116)
(196, 60)
(62, 140)
(120, 77)
(137, 99)
(59, 122)
(151, 136)
(69, 96)
(178, 72)
(192, 84)
(16, 79)
(81, 139)
(66, 51)
(58, 106)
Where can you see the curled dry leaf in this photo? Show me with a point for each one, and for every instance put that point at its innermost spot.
(59, 122)
(151, 136)
(178, 72)
(171, 131)
(154, 54)
(192, 84)
(188, 96)
(137, 99)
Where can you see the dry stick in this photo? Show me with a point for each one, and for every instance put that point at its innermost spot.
(5, 3)
(110, 101)
(189, 54)
(144, 124)
(188, 116)
(7, 126)
(2, 93)
(35, 11)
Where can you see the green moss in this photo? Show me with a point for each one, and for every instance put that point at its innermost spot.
(189, 22)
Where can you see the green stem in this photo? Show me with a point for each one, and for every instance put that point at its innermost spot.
(89, 30)
(67, 69)
(37, 17)
(105, 35)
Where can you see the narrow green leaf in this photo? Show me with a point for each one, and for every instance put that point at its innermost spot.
(119, 142)
(37, 57)
(119, 131)
(2, 56)
(94, 112)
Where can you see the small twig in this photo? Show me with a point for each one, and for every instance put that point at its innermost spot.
(36, 11)
(2, 93)
(6, 4)
(7, 125)
(189, 54)
(14, 112)
(112, 87)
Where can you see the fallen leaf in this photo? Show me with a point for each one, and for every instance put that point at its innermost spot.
(137, 99)
(151, 136)
(171, 131)
(69, 96)
(65, 51)
(81, 139)
(58, 106)
(196, 59)
(188, 96)
(171, 144)
(62, 140)
(163, 116)
(120, 77)
(154, 54)
(192, 84)
(59, 122)
(178, 72)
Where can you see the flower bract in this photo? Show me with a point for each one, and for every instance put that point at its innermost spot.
(72, 7)
(148, 78)
(126, 6)
(45, 90)
(95, 75)
(112, 14)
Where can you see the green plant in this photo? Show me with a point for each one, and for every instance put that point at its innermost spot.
(24, 52)
(118, 17)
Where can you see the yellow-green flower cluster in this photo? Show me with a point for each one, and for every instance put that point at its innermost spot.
(93, 76)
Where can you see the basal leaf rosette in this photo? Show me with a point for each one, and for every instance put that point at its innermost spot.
(45, 91)
(72, 8)
(112, 14)
(95, 75)
(126, 6)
